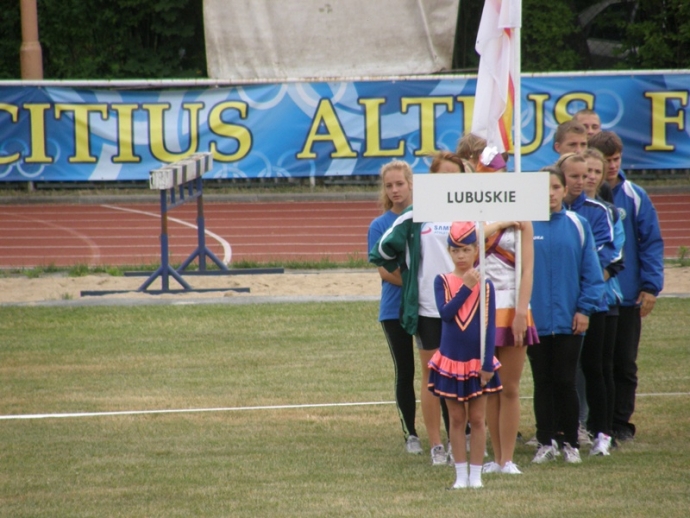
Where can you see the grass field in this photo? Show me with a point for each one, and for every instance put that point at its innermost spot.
(243, 461)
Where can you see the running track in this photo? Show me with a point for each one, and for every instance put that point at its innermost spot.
(127, 234)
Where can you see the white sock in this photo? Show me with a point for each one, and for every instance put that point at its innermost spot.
(461, 472)
(475, 475)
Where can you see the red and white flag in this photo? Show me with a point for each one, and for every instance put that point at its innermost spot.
(495, 95)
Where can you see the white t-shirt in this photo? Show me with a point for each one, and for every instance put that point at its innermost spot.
(435, 260)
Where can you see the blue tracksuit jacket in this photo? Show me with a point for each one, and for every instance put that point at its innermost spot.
(567, 276)
(644, 246)
(599, 219)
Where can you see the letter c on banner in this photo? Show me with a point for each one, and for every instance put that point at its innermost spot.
(14, 112)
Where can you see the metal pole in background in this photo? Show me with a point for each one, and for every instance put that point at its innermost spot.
(517, 142)
(30, 55)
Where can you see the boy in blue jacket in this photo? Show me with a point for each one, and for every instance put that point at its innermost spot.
(640, 281)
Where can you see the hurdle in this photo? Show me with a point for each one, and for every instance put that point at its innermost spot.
(179, 183)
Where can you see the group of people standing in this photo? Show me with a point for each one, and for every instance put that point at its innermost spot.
(587, 276)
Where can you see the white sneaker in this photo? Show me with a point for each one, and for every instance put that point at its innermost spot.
(602, 444)
(491, 467)
(438, 455)
(572, 455)
(510, 469)
(546, 453)
(413, 445)
(583, 436)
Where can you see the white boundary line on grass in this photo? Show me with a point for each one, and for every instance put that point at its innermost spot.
(191, 410)
(243, 408)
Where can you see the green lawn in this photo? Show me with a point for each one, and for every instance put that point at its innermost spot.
(327, 461)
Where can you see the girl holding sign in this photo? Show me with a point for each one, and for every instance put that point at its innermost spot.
(505, 240)
(457, 372)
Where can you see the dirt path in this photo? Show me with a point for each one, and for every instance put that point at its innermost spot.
(366, 283)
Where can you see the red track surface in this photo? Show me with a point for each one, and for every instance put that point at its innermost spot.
(674, 219)
(128, 234)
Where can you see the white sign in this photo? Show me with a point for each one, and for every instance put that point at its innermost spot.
(481, 197)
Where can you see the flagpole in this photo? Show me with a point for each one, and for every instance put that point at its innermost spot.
(517, 102)
(482, 292)
(517, 142)
(498, 45)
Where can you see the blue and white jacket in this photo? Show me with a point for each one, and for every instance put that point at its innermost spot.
(644, 246)
(613, 288)
(567, 275)
(601, 223)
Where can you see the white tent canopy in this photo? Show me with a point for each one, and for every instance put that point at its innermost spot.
(269, 39)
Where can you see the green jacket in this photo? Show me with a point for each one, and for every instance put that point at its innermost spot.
(400, 247)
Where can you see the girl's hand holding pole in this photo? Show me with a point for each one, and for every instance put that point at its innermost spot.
(471, 278)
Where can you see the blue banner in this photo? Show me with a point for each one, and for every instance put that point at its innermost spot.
(299, 129)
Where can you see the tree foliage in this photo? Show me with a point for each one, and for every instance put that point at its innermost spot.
(114, 39)
(10, 39)
(550, 37)
(659, 36)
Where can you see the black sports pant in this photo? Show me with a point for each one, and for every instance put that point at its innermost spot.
(401, 347)
(625, 367)
(554, 364)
